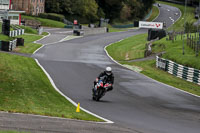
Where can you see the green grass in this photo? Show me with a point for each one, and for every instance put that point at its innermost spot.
(29, 30)
(45, 33)
(29, 47)
(149, 69)
(134, 48)
(26, 89)
(46, 22)
(155, 13)
(116, 30)
(174, 52)
(128, 49)
(111, 29)
(189, 16)
(5, 38)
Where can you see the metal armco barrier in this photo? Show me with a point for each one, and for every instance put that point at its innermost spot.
(186, 73)
(16, 32)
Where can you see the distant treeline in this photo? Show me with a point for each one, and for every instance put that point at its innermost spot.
(93, 10)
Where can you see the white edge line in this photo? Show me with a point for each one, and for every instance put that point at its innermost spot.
(43, 37)
(70, 100)
(64, 39)
(145, 75)
(75, 104)
(38, 49)
(40, 43)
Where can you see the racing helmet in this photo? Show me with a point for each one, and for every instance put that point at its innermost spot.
(108, 70)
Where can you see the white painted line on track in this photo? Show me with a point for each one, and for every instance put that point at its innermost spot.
(70, 100)
(70, 38)
(64, 39)
(145, 75)
(40, 43)
(42, 38)
(38, 49)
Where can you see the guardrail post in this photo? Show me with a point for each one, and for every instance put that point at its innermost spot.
(19, 32)
(22, 31)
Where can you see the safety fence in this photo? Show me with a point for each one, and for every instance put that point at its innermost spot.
(11, 45)
(16, 32)
(193, 42)
(192, 39)
(8, 46)
(186, 73)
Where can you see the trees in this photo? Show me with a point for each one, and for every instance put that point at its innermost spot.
(93, 10)
(111, 8)
(85, 8)
(82, 8)
(137, 10)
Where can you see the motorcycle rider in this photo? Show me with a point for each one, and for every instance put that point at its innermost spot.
(108, 77)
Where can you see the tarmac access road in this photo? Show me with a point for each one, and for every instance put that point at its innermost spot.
(137, 104)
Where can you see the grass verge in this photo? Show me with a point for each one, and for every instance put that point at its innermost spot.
(174, 52)
(155, 13)
(128, 49)
(133, 48)
(5, 38)
(26, 89)
(29, 47)
(116, 30)
(46, 22)
(149, 69)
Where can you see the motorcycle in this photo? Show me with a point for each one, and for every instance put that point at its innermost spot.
(100, 89)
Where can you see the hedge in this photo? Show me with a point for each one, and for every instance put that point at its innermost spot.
(52, 16)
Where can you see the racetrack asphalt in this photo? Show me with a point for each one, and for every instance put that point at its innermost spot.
(137, 103)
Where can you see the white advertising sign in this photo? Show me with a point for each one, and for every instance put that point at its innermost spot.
(154, 25)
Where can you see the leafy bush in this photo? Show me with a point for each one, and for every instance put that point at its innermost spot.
(45, 22)
(52, 16)
(29, 30)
